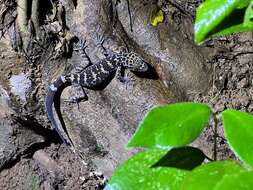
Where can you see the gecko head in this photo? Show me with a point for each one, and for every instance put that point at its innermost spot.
(134, 62)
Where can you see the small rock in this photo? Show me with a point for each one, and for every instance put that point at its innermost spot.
(20, 85)
(244, 100)
(97, 173)
(82, 178)
(220, 106)
(250, 108)
(234, 69)
(46, 161)
(243, 83)
(235, 103)
(244, 70)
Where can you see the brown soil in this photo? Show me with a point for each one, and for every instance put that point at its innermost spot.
(54, 167)
(232, 86)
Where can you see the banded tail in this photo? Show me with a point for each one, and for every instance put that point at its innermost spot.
(53, 97)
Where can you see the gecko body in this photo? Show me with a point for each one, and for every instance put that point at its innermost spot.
(95, 77)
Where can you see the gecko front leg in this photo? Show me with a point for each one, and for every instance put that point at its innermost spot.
(81, 47)
(100, 39)
(78, 93)
(120, 74)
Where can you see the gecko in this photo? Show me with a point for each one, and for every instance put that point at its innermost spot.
(95, 76)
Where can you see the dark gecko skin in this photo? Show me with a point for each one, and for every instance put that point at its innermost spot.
(92, 77)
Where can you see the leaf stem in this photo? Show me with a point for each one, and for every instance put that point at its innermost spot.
(215, 135)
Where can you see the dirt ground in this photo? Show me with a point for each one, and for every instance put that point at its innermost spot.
(232, 85)
(56, 167)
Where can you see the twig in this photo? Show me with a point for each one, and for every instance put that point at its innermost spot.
(4, 29)
(237, 53)
(178, 6)
(214, 74)
(222, 138)
(215, 138)
(130, 16)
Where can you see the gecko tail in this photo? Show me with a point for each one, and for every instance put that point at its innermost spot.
(53, 93)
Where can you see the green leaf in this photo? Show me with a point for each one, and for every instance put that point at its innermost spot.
(238, 21)
(137, 174)
(238, 129)
(233, 23)
(232, 29)
(219, 17)
(248, 19)
(183, 158)
(243, 4)
(241, 181)
(208, 175)
(171, 125)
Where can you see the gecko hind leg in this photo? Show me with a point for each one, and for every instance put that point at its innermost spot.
(120, 75)
(77, 95)
(123, 78)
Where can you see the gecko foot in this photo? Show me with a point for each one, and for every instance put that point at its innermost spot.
(77, 95)
(76, 100)
(81, 46)
(99, 39)
(124, 79)
(127, 81)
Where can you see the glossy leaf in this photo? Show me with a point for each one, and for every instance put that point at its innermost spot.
(233, 23)
(240, 20)
(248, 19)
(137, 174)
(220, 17)
(183, 158)
(171, 125)
(243, 4)
(208, 175)
(238, 129)
(241, 181)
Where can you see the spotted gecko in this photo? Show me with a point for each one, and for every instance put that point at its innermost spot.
(96, 77)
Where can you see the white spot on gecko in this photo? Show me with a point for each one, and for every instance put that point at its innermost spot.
(53, 88)
(63, 79)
